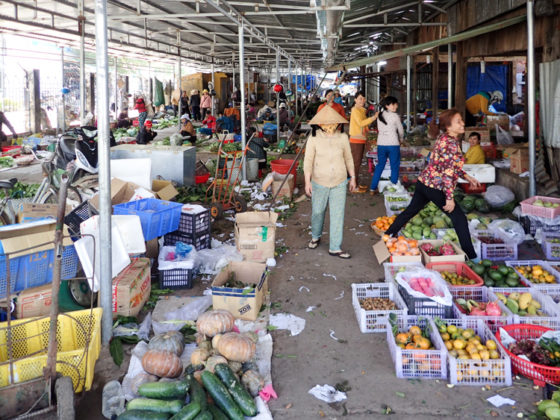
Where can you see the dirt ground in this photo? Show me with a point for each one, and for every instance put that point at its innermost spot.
(313, 357)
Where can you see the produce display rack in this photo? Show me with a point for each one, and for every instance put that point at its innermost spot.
(545, 265)
(551, 311)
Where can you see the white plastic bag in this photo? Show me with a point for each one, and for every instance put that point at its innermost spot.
(189, 262)
(498, 196)
(394, 188)
(503, 136)
(211, 261)
(507, 230)
(176, 139)
(425, 284)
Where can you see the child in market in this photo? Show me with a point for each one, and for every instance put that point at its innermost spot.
(475, 154)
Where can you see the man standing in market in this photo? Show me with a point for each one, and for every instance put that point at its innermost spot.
(4, 120)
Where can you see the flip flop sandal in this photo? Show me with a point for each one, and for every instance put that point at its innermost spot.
(314, 243)
(373, 192)
(363, 187)
(341, 254)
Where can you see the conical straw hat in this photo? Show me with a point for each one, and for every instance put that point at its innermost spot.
(328, 115)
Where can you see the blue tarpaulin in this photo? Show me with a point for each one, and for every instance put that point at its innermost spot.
(494, 78)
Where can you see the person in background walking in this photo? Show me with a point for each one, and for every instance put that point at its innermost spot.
(195, 105)
(329, 96)
(142, 112)
(358, 134)
(205, 103)
(388, 141)
(439, 179)
(327, 161)
(185, 103)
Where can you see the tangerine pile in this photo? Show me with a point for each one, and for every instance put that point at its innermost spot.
(401, 246)
(383, 223)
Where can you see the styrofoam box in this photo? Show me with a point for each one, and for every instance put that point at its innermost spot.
(482, 173)
(375, 321)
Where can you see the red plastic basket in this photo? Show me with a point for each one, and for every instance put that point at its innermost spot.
(201, 179)
(540, 374)
(473, 190)
(460, 268)
(490, 151)
(527, 207)
(282, 166)
(7, 149)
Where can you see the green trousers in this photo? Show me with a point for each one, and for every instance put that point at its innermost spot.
(335, 198)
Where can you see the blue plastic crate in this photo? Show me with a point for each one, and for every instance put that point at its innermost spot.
(36, 269)
(158, 217)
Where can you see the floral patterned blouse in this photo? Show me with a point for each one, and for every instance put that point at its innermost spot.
(445, 167)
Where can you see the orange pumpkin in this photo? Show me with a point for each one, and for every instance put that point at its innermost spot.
(215, 322)
(236, 347)
(162, 363)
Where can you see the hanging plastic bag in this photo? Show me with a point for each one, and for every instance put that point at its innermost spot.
(425, 284)
(507, 230)
(503, 136)
(498, 196)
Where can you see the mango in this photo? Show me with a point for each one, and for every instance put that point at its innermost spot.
(514, 295)
(512, 305)
(531, 310)
(502, 297)
(546, 404)
(524, 300)
(556, 396)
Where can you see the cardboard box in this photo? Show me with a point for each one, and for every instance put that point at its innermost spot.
(131, 288)
(164, 189)
(255, 235)
(519, 161)
(382, 254)
(242, 304)
(35, 301)
(31, 211)
(121, 192)
(459, 256)
(14, 238)
(493, 120)
(287, 189)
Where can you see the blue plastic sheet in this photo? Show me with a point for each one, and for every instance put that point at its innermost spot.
(494, 78)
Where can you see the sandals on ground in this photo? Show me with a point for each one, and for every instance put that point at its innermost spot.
(341, 254)
(314, 243)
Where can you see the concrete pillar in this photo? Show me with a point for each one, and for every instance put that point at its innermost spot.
(35, 102)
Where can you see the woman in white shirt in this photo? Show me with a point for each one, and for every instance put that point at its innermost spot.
(388, 142)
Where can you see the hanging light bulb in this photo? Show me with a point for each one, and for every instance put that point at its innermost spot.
(482, 67)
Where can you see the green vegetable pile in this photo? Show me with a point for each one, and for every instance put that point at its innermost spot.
(421, 225)
(227, 147)
(6, 162)
(125, 132)
(191, 194)
(166, 123)
(21, 190)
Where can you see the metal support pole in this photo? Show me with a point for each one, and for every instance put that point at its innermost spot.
(242, 108)
(233, 71)
(531, 94)
(83, 95)
(63, 118)
(277, 97)
(449, 71)
(408, 60)
(102, 91)
(180, 107)
(116, 88)
(289, 75)
(213, 87)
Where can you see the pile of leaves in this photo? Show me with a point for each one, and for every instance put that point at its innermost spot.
(545, 352)
(21, 190)
(192, 193)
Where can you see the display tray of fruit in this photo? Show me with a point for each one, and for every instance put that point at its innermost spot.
(440, 251)
(426, 284)
(527, 305)
(547, 207)
(496, 274)
(415, 348)
(455, 279)
(473, 353)
(422, 225)
(477, 308)
(373, 302)
(535, 272)
(401, 246)
(456, 273)
(381, 224)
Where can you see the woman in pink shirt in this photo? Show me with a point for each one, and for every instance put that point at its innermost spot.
(205, 103)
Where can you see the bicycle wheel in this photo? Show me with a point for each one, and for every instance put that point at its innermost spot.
(51, 196)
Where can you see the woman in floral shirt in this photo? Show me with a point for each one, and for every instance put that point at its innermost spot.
(439, 179)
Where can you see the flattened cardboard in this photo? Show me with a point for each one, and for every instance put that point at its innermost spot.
(164, 189)
(30, 211)
(131, 288)
(21, 238)
(255, 235)
(35, 301)
(241, 303)
(382, 253)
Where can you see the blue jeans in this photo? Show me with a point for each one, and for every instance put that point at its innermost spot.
(335, 198)
(394, 155)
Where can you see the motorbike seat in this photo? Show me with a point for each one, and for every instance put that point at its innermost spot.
(8, 183)
(68, 145)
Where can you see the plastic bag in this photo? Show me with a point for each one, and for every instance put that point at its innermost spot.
(164, 320)
(394, 188)
(167, 259)
(503, 136)
(211, 261)
(425, 284)
(176, 139)
(507, 230)
(498, 196)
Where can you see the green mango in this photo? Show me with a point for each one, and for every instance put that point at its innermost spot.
(553, 413)
(512, 305)
(546, 404)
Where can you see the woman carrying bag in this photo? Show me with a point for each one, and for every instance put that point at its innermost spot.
(327, 160)
(439, 179)
(388, 142)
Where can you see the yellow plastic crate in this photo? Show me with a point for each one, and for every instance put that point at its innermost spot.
(30, 344)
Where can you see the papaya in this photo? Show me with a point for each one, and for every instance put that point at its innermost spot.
(546, 404)
(553, 413)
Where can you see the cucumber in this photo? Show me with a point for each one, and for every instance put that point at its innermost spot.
(142, 415)
(173, 389)
(205, 415)
(221, 396)
(197, 393)
(159, 406)
(217, 413)
(188, 412)
(237, 391)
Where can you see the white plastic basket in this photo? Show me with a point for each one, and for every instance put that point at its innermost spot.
(477, 372)
(481, 294)
(551, 311)
(391, 269)
(545, 265)
(429, 364)
(375, 321)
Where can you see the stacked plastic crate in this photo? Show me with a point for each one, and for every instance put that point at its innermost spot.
(194, 228)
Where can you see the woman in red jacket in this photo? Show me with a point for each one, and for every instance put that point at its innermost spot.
(142, 113)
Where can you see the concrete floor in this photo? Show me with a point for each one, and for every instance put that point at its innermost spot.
(313, 357)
